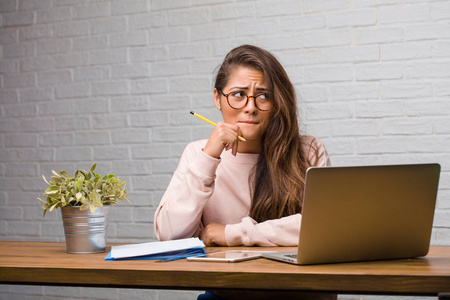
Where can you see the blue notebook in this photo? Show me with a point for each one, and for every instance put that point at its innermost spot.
(167, 250)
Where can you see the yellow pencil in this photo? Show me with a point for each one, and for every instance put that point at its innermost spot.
(213, 124)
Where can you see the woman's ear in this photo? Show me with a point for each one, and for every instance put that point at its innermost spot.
(217, 99)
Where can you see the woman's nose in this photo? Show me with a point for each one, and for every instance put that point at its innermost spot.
(250, 107)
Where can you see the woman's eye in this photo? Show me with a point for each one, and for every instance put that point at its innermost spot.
(263, 96)
(238, 94)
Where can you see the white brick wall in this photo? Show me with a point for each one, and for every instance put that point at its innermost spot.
(114, 81)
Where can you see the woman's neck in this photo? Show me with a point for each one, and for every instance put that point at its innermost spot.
(250, 146)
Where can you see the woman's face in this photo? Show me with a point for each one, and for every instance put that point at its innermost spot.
(251, 121)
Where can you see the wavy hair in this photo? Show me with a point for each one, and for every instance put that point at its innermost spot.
(279, 174)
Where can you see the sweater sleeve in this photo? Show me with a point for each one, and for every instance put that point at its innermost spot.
(180, 210)
(278, 232)
(316, 153)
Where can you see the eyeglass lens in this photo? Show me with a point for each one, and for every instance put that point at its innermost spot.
(238, 100)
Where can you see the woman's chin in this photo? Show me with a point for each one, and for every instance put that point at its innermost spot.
(252, 138)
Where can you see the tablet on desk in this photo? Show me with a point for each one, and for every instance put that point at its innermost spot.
(229, 256)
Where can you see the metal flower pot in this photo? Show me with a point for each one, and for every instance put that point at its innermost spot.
(85, 231)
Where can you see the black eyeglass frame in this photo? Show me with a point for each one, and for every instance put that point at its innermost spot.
(248, 98)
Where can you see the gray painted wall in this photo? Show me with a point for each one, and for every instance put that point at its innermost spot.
(113, 82)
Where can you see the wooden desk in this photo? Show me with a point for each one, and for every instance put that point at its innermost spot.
(38, 263)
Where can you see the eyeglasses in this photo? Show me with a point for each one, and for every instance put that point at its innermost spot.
(238, 100)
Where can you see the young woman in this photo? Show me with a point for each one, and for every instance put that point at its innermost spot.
(230, 192)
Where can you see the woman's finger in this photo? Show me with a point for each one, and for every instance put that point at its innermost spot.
(236, 144)
(223, 137)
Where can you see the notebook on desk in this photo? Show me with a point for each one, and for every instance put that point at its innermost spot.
(365, 213)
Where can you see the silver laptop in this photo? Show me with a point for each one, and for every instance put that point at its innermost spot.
(365, 213)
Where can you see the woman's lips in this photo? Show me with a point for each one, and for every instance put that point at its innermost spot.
(248, 122)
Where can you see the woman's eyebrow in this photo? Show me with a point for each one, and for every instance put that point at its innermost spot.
(239, 88)
(246, 88)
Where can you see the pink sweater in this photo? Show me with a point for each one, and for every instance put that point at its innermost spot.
(204, 189)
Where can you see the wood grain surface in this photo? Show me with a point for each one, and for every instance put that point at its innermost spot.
(47, 263)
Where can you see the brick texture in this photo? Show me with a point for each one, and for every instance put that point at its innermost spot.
(113, 82)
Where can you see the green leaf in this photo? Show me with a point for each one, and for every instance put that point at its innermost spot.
(98, 184)
(64, 174)
(53, 206)
(80, 173)
(79, 184)
(109, 176)
(57, 180)
(88, 189)
(84, 200)
(97, 196)
(91, 196)
(43, 177)
(97, 177)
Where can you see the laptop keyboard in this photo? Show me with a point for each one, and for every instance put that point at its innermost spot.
(291, 255)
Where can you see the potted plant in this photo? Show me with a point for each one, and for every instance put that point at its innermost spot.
(84, 200)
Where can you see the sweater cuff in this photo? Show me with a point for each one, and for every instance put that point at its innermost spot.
(205, 165)
(233, 234)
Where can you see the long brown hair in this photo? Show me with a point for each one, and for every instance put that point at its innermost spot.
(279, 174)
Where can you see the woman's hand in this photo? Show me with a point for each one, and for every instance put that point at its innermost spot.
(224, 136)
(213, 235)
